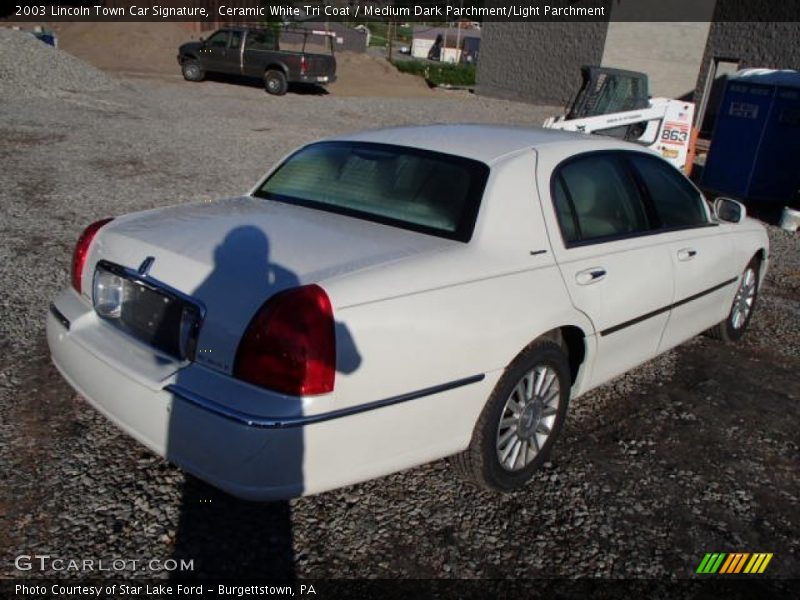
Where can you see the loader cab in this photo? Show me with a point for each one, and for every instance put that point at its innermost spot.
(605, 91)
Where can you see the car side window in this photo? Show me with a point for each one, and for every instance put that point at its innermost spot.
(236, 40)
(566, 216)
(596, 197)
(218, 40)
(677, 202)
(261, 40)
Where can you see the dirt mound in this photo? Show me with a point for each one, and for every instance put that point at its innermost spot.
(125, 47)
(29, 67)
(151, 49)
(366, 75)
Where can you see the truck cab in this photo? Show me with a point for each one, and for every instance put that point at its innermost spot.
(278, 57)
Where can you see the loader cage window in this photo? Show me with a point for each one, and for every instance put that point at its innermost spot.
(605, 91)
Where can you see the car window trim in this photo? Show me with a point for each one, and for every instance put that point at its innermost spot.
(622, 163)
(647, 201)
(573, 213)
(628, 236)
(649, 198)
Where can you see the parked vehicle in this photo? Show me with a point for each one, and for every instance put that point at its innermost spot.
(386, 298)
(279, 58)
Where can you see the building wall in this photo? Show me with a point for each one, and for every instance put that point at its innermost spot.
(669, 53)
(769, 45)
(537, 62)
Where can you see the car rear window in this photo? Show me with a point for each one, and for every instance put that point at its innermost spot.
(414, 189)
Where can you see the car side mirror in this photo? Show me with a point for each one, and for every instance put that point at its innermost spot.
(731, 211)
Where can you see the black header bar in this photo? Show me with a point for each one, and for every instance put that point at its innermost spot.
(404, 11)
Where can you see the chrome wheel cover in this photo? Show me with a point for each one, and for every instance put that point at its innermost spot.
(745, 297)
(528, 418)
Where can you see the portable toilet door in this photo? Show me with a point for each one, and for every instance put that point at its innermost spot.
(756, 146)
(777, 171)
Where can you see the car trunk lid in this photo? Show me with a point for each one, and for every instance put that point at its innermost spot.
(231, 256)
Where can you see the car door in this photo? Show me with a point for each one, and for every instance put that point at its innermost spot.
(232, 62)
(215, 51)
(615, 270)
(701, 251)
(259, 48)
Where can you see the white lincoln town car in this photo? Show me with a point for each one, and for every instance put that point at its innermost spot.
(386, 298)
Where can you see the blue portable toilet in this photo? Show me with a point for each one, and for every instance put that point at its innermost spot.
(755, 151)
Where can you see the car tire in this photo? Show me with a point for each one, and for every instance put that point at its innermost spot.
(518, 426)
(744, 303)
(192, 71)
(275, 82)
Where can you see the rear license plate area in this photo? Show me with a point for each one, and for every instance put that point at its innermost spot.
(149, 311)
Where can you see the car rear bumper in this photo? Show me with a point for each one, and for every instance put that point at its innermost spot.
(184, 413)
(317, 79)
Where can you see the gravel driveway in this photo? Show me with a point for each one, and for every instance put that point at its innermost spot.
(696, 451)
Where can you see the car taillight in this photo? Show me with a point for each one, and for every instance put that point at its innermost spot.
(82, 251)
(290, 345)
(303, 65)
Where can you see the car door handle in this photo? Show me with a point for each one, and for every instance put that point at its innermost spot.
(686, 253)
(590, 275)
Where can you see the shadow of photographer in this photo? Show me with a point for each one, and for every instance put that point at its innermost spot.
(223, 535)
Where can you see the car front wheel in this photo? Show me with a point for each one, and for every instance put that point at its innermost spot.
(735, 324)
(521, 420)
(192, 71)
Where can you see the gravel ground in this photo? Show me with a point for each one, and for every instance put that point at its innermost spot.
(30, 68)
(695, 451)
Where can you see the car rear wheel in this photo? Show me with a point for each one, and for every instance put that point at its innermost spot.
(192, 71)
(735, 324)
(521, 421)
(275, 82)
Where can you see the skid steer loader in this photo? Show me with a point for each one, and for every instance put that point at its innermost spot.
(616, 103)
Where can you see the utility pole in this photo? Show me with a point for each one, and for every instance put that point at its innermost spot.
(389, 33)
(458, 35)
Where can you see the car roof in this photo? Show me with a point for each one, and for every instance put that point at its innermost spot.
(486, 143)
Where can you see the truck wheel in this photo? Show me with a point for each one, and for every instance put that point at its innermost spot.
(192, 71)
(521, 420)
(275, 82)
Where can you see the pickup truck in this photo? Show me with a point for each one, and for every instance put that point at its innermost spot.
(278, 58)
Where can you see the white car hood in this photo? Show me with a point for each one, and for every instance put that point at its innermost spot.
(234, 254)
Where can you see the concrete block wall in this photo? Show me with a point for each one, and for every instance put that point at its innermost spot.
(770, 45)
(537, 62)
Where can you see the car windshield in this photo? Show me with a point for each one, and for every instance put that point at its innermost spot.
(423, 191)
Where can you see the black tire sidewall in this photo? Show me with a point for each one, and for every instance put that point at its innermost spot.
(548, 354)
(186, 70)
(280, 81)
